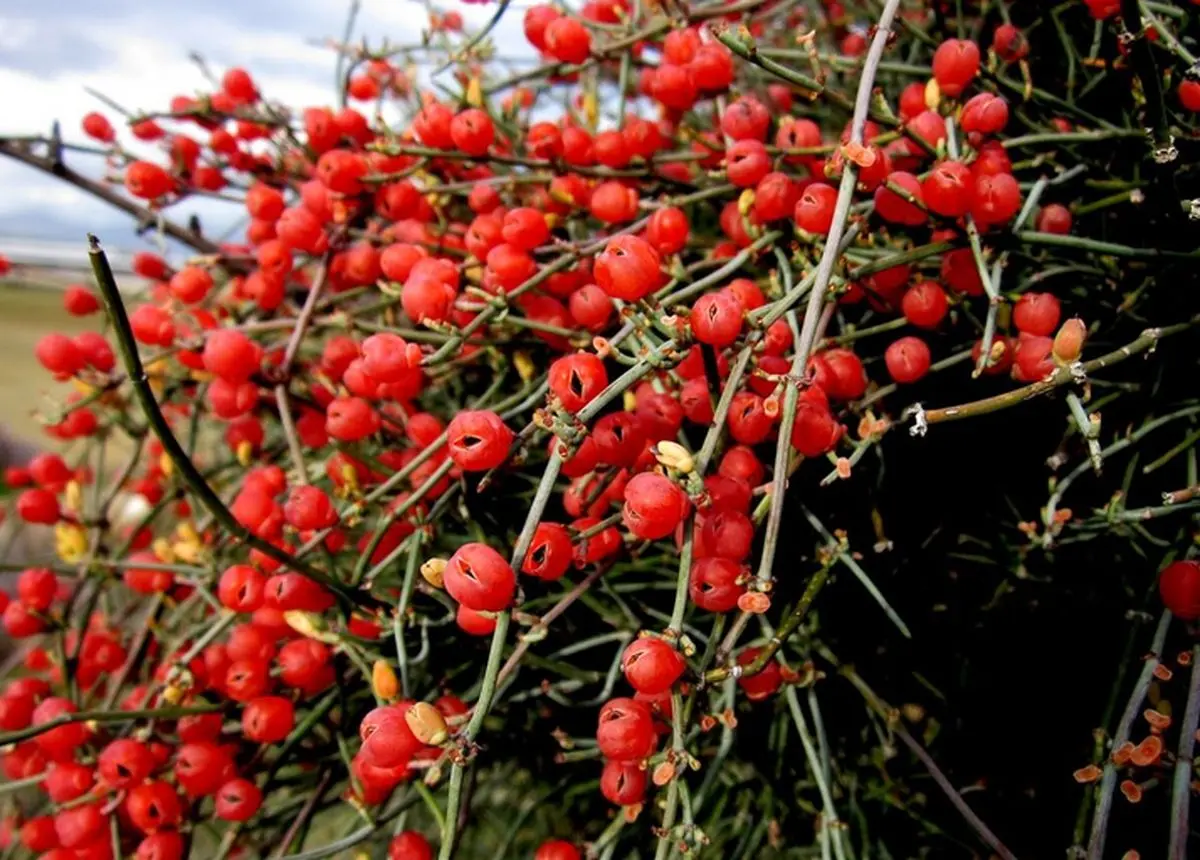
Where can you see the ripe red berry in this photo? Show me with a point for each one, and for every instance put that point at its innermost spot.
(924, 304)
(713, 583)
(948, 189)
(907, 359)
(955, 64)
(59, 743)
(147, 181)
(654, 506)
(480, 578)
(747, 162)
(1189, 94)
(36, 588)
(763, 683)
(814, 210)
(1179, 587)
(1037, 313)
(549, 553)
(125, 762)
(1009, 43)
(614, 202)
(625, 731)
(410, 845)
(350, 419)
(893, 207)
(472, 131)
(164, 845)
(241, 588)
(1034, 357)
(308, 508)
(623, 783)
(1054, 218)
(267, 719)
(651, 666)
(996, 199)
(79, 301)
(628, 268)
(576, 379)
(231, 355)
(238, 800)
(746, 119)
(59, 354)
(717, 319)
(478, 440)
(38, 506)
(567, 40)
(985, 114)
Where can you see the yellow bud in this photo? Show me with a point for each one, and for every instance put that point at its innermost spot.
(73, 497)
(525, 366)
(746, 201)
(383, 680)
(186, 551)
(244, 452)
(629, 401)
(162, 550)
(433, 571)
(81, 386)
(560, 196)
(185, 531)
(591, 108)
(309, 624)
(674, 456)
(202, 376)
(166, 464)
(475, 92)
(173, 694)
(70, 542)
(474, 274)
(551, 220)
(427, 724)
(350, 478)
(933, 94)
(157, 368)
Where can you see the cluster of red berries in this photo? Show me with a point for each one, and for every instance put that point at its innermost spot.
(326, 375)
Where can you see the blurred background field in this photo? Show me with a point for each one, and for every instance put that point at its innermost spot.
(30, 306)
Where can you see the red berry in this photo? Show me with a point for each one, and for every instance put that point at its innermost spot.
(409, 845)
(238, 800)
(125, 763)
(480, 578)
(746, 119)
(814, 210)
(59, 354)
(1037, 313)
(1179, 587)
(549, 553)
(924, 304)
(628, 268)
(79, 301)
(984, 113)
(267, 719)
(478, 440)
(891, 206)
(955, 64)
(713, 583)
(651, 666)
(1009, 43)
(38, 506)
(350, 419)
(567, 40)
(472, 131)
(717, 319)
(948, 189)
(626, 730)
(907, 359)
(576, 379)
(1189, 94)
(654, 506)
(1054, 218)
(763, 683)
(747, 162)
(996, 199)
(623, 783)
(614, 202)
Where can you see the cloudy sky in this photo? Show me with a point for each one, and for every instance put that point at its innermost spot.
(136, 52)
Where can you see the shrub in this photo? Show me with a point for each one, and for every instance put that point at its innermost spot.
(646, 453)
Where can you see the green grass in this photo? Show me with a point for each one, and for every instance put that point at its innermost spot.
(27, 313)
